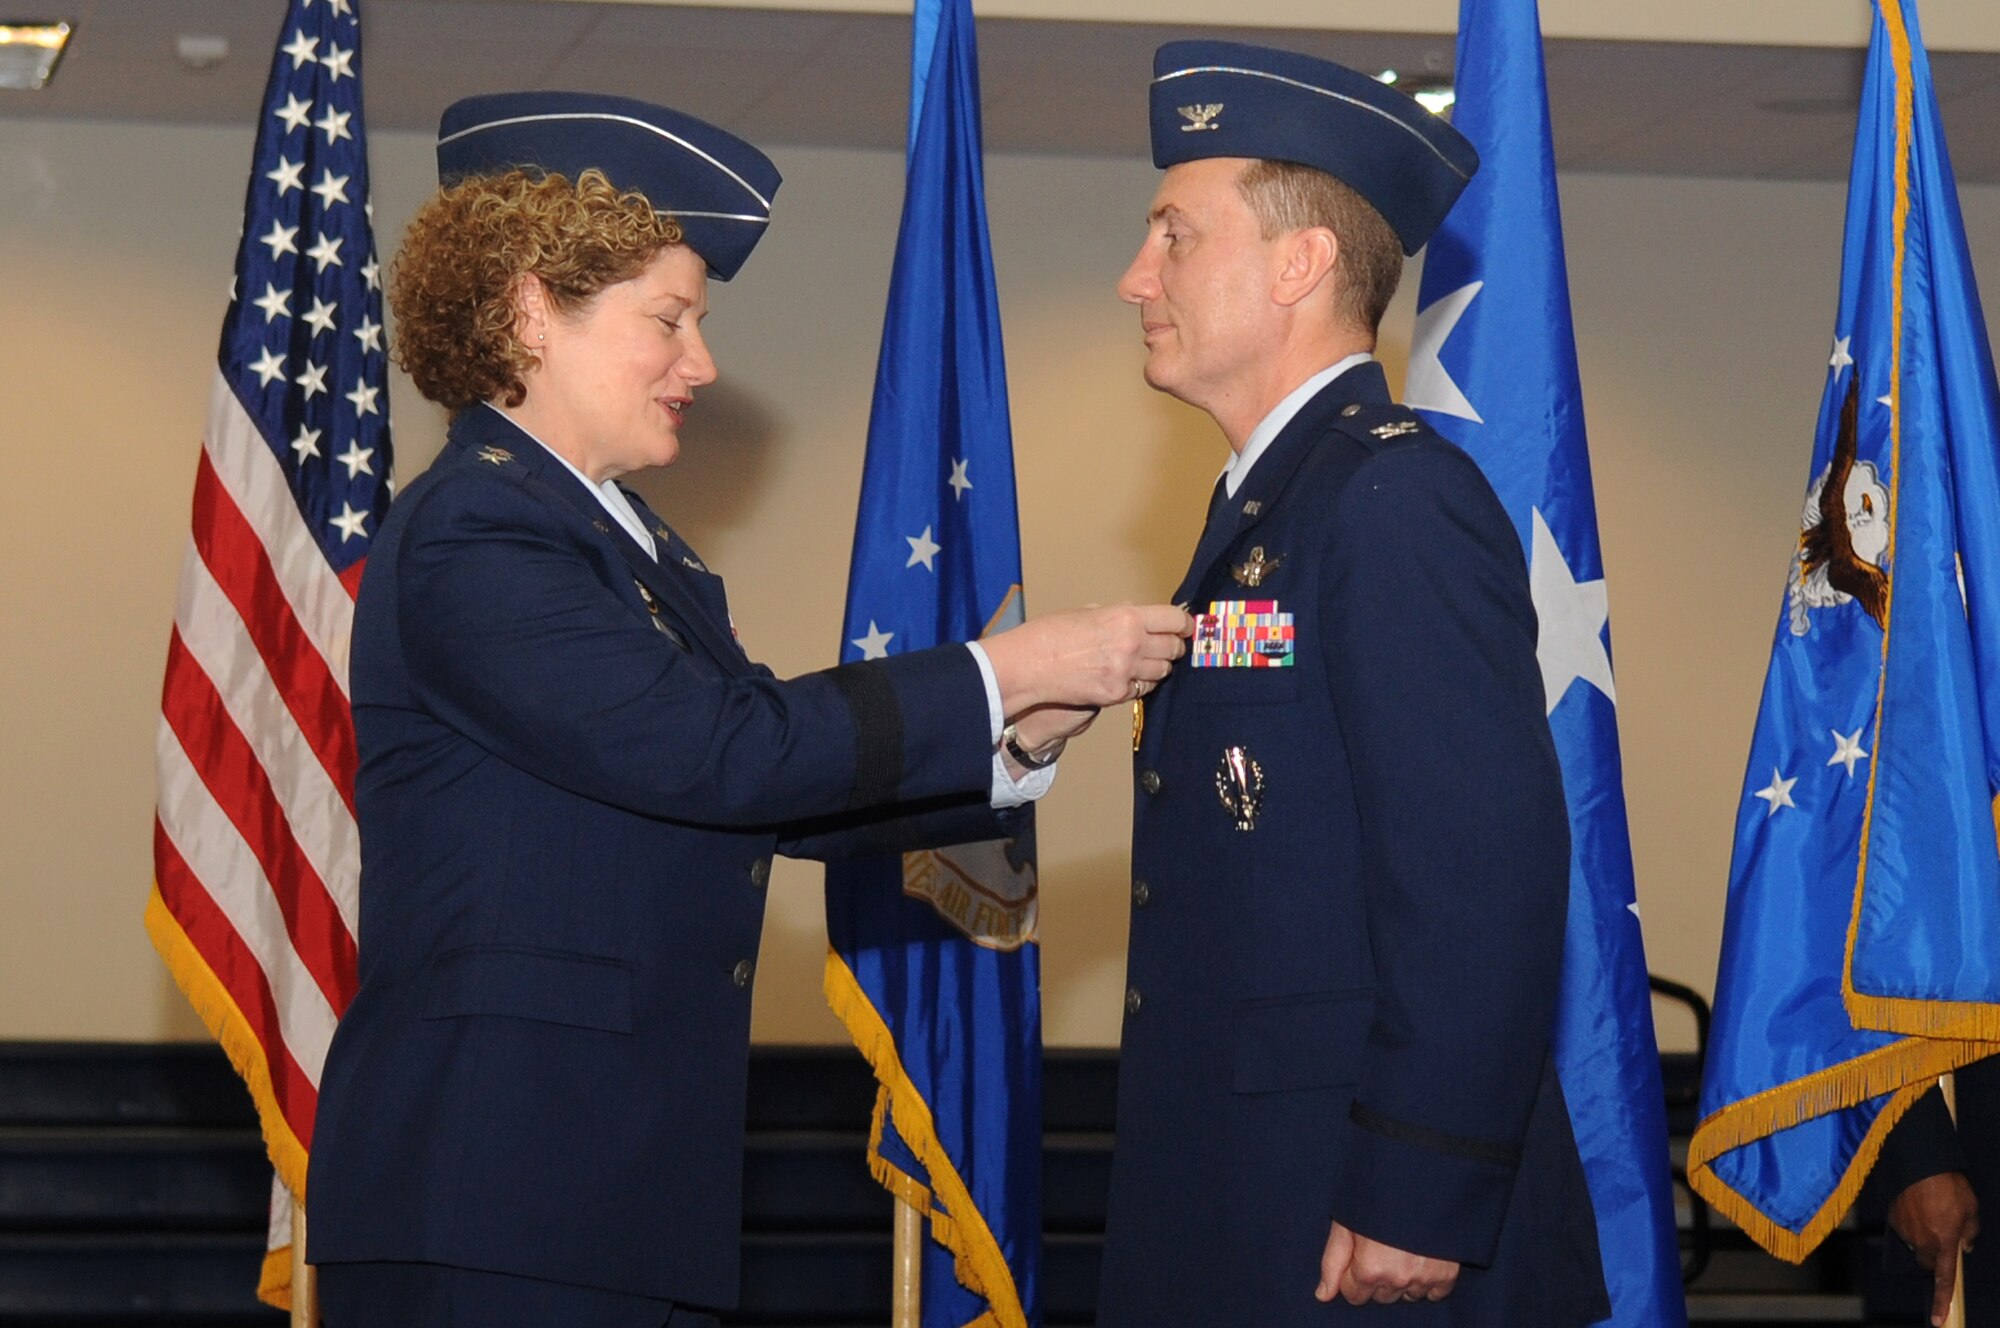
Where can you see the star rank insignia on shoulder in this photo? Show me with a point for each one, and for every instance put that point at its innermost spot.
(498, 456)
(1395, 428)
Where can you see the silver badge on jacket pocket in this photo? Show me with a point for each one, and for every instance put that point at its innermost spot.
(1239, 782)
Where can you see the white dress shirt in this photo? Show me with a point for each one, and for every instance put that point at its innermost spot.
(1274, 424)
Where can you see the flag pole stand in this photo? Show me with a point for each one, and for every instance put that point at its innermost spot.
(305, 1284)
(909, 1266)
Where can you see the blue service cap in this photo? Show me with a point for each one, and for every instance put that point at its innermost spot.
(714, 184)
(1226, 99)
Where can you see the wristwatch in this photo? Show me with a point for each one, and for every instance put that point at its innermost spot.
(1010, 738)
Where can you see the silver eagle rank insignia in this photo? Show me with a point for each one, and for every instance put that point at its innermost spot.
(1200, 117)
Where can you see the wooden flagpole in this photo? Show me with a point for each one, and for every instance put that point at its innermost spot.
(907, 1307)
(305, 1284)
(1955, 1317)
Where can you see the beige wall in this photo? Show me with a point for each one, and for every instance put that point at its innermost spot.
(1702, 307)
(1948, 24)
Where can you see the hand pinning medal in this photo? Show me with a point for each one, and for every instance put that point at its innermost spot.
(1242, 634)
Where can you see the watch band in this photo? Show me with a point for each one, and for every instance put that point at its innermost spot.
(1010, 738)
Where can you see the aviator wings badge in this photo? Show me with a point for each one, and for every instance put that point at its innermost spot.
(1256, 567)
(1200, 117)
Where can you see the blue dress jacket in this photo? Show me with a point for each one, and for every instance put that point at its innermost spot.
(1350, 877)
(571, 785)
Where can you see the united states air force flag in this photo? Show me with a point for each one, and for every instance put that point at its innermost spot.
(933, 964)
(1861, 949)
(1493, 366)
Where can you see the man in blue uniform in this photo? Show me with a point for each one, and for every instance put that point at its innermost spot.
(1350, 852)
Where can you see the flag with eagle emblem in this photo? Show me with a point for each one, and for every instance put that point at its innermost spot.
(1861, 949)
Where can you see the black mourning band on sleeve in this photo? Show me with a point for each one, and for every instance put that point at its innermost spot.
(878, 732)
(1436, 1141)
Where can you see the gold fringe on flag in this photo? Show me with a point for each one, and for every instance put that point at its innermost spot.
(958, 1225)
(1940, 1035)
(218, 1010)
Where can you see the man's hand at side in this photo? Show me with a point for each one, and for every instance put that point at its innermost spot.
(1363, 1270)
(1937, 1217)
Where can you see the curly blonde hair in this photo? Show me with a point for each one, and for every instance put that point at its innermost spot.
(453, 283)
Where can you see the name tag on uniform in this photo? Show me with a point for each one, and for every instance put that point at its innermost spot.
(1242, 634)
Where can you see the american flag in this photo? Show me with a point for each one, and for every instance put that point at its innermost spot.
(255, 856)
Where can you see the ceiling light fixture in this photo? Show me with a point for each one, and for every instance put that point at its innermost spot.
(29, 52)
(1431, 91)
(200, 53)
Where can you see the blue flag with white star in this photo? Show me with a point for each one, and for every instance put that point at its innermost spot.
(1493, 366)
(933, 964)
(1861, 949)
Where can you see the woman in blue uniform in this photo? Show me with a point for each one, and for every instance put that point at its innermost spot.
(572, 780)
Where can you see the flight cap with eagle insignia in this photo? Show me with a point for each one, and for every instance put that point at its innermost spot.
(1228, 99)
(717, 186)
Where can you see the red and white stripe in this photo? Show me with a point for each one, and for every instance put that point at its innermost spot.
(256, 852)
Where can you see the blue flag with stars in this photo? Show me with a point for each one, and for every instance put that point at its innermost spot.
(933, 964)
(1493, 366)
(1861, 948)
